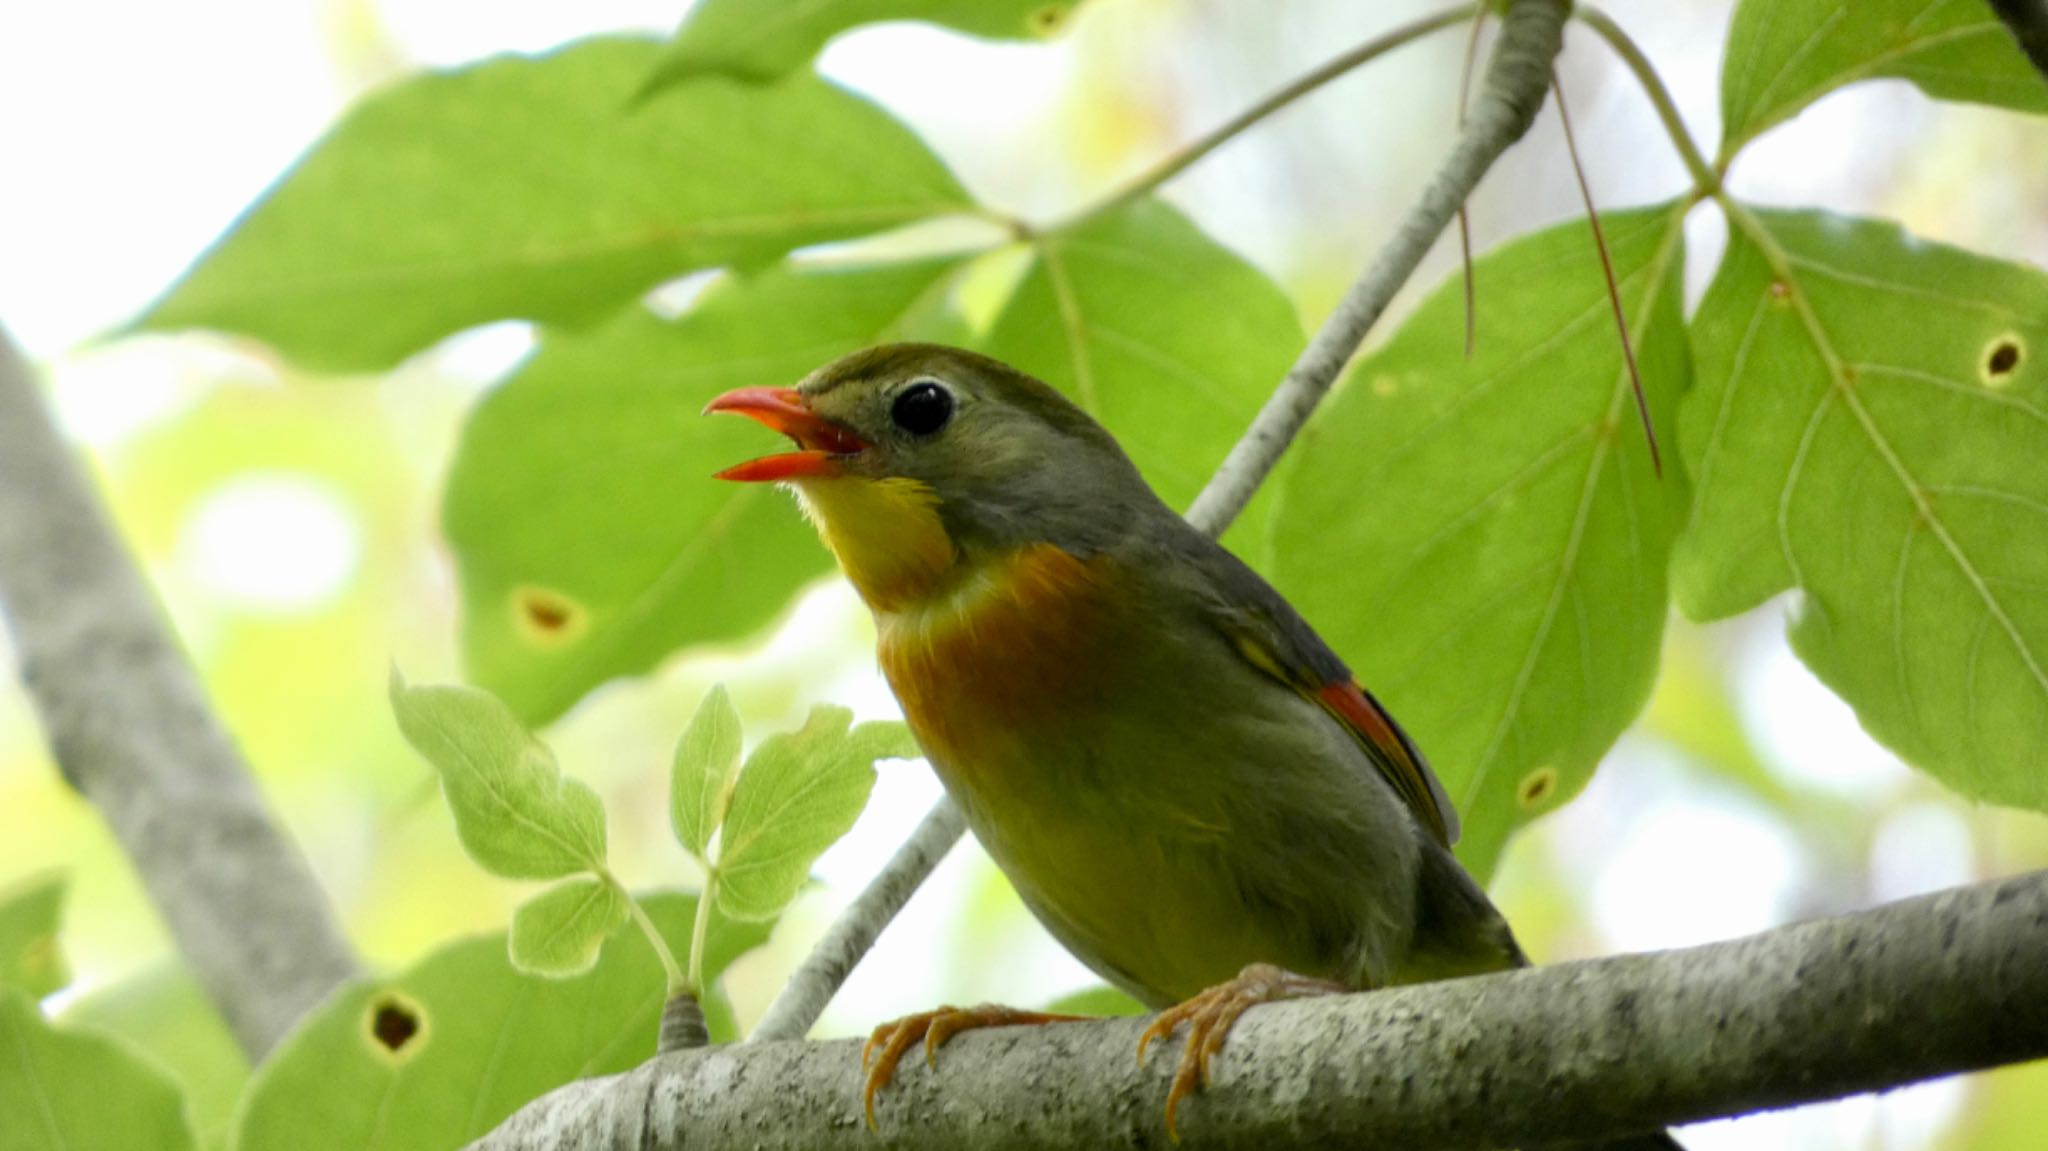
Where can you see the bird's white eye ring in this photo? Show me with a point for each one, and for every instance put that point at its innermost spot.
(922, 408)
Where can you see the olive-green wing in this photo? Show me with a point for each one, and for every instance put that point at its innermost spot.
(1273, 637)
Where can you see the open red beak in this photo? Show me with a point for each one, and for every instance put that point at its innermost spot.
(824, 444)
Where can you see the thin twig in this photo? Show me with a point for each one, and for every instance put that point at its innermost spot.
(1568, 1053)
(812, 987)
(1628, 347)
(1186, 157)
(1464, 210)
(1515, 84)
(129, 726)
(1512, 91)
(1706, 181)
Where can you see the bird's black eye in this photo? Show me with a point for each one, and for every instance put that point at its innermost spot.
(922, 408)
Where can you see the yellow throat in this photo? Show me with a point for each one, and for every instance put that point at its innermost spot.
(885, 533)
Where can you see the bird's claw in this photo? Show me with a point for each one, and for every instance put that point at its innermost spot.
(886, 1045)
(1211, 1014)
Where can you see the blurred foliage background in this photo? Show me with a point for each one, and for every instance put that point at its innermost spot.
(291, 524)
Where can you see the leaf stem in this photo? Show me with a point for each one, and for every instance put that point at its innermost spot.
(700, 930)
(676, 980)
(1705, 177)
(1189, 155)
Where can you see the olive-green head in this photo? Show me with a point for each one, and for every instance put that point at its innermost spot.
(1002, 459)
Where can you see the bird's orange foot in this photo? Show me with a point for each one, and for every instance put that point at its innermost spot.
(1210, 1016)
(886, 1046)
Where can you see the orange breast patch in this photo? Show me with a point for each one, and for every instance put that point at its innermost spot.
(1009, 648)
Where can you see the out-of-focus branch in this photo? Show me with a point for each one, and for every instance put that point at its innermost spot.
(1577, 1051)
(129, 726)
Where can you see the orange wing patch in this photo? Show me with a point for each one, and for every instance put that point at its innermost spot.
(1396, 758)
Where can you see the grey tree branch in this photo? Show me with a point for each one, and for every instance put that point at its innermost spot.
(129, 726)
(1513, 90)
(850, 937)
(1593, 1050)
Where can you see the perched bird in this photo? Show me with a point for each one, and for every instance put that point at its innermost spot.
(1184, 783)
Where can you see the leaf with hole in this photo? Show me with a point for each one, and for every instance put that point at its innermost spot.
(1785, 54)
(72, 1087)
(534, 188)
(589, 536)
(1167, 337)
(706, 762)
(30, 911)
(798, 793)
(440, 1054)
(515, 811)
(559, 932)
(1500, 534)
(742, 38)
(1869, 429)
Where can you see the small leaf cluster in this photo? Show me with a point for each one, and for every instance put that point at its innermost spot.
(756, 830)
(521, 818)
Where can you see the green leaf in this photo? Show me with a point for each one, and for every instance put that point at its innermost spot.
(164, 1012)
(30, 910)
(798, 793)
(1870, 429)
(700, 784)
(1102, 1001)
(438, 1055)
(1500, 534)
(516, 813)
(66, 1088)
(753, 41)
(531, 187)
(590, 538)
(1785, 54)
(560, 931)
(1169, 339)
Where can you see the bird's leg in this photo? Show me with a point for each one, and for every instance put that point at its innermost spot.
(1210, 1016)
(888, 1043)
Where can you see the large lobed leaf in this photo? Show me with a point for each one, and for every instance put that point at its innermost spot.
(1785, 54)
(1168, 338)
(435, 1057)
(165, 1013)
(758, 41)
(1871, 428)
(590, 538)
(534, 188)
(798, 793)
(1485, 538)
(515, 811)
(64, 1088)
